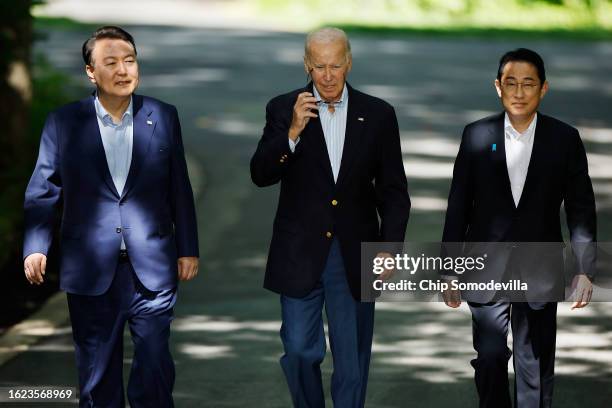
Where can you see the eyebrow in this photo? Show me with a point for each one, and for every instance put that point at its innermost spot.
(525, 79)
(113, 57)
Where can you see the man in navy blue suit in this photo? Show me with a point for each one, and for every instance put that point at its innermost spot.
(128, 229)
(512, 173)
(336, 153)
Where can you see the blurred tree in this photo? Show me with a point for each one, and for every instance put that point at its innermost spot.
(16, 96)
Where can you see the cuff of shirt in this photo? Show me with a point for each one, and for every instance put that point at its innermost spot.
(292, 144)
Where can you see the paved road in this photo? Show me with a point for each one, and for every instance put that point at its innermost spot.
(225, 337)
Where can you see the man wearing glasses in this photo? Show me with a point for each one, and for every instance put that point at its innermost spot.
(512, 173)
(336, 153)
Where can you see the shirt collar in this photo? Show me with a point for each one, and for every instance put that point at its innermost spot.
(339, 103)
(105, 117)
(515, 134)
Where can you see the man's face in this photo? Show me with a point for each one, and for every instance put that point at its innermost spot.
(520, 89)
(113, 69)
(328, 64)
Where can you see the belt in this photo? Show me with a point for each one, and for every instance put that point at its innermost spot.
(123, 256)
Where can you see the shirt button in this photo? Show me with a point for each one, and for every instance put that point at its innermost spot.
(328, 234)
(334, 202)
(118, 230)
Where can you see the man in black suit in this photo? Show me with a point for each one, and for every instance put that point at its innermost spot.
(337, 155)
(512, 173)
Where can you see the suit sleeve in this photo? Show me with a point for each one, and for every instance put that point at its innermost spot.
(460, 197)
(183, 206)
(579, 203)
(273, 155)
(43, 193)
(392, 199)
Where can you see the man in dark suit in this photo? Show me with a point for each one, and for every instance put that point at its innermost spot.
(336, 153)
(128, 228)
(512, 173)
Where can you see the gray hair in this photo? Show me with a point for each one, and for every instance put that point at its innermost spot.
(327, 35)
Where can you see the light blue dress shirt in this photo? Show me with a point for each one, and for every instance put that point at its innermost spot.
(334, 128)
(118, 141)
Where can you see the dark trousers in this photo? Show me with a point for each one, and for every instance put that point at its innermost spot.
(350, 326)
(534, 335)
(97, 327)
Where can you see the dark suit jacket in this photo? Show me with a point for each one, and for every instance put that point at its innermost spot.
(155, 213)
(481, 207)
(371, 184)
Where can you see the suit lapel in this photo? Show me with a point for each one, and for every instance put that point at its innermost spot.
(498, 153)
(93, 142)
(354, 129)
(143, 128)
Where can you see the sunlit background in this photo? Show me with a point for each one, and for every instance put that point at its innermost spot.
(219, 62)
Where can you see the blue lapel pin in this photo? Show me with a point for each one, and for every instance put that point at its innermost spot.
(494, 147)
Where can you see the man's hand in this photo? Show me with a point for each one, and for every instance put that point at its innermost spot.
(388, 272)
(302, 112)
(35, 266)
(582, 288)
(452, 297)
(187, 267)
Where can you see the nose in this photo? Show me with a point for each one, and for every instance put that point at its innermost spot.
(520, 92)
(328, 74)
(121, 68)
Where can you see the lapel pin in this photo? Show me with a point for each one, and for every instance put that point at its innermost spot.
(494, 147)
(360, 119)
(149, 122)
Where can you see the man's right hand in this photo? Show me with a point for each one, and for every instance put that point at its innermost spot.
(35, 266)
(302, 112)
(452, 298)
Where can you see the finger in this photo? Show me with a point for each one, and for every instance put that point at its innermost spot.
(28, 274)
(43, 265)
(309, 106)
(35, 271)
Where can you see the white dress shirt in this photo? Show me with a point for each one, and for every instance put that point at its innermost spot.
(518, 154)
(334, 128)
(118, 141)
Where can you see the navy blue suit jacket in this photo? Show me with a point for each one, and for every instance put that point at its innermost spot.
(155, 213)
(312, 209)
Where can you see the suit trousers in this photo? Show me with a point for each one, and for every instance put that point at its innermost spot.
(98, 323)
(534, 335)
(350, 327)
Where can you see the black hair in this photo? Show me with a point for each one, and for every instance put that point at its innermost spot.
(113, 32)
(523, 55)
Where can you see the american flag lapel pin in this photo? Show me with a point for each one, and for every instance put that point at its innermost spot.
(360, 119)
(149, 122)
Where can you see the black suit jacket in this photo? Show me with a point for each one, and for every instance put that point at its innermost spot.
(481, 207)
(312, 209)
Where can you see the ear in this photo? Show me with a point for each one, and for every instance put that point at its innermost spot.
(498, 87)
(544, 89)
(306, 65)
(349, 63)
(89, 70)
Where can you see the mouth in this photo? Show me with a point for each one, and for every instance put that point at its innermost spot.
(123, 83)
(519, 105)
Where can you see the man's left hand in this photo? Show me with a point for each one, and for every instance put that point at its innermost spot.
(187, 267)
(583, 290)
(387, 273)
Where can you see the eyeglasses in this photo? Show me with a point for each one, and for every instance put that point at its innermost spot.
(512, 87)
